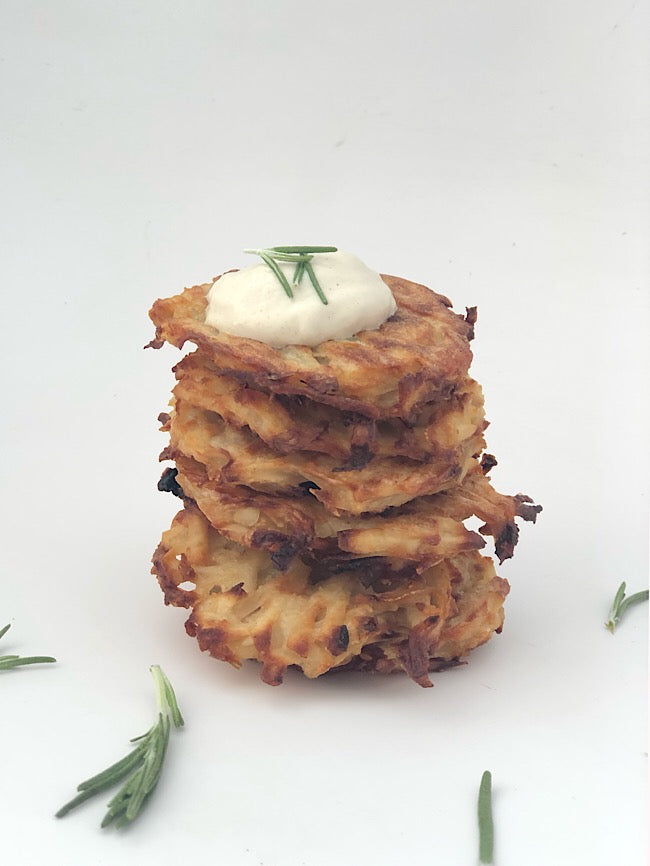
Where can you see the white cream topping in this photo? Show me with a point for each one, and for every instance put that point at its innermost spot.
(252, 303)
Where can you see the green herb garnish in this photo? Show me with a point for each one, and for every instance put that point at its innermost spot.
(621, 604)
(302, 257)
(142, 766)
(485, 822)
(13, 661)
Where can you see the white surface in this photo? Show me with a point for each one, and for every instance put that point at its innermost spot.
(496, 151)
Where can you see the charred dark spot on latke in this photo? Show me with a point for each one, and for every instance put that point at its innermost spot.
(281, 547)
(471, 317)
(164, 418)
(238, 590)
(360, 456)
(338, 641)
(373, 572)
(169, 484)
(506, 541)
(307, 487)
(488, 462)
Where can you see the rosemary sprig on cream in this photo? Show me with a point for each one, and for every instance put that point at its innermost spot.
(485, 822)
(302, 257)
(14, 661)
(621, 604)
(141, 767)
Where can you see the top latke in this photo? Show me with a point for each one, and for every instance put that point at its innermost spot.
(417, 356)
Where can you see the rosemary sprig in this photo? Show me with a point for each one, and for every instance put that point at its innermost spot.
(14, 661)
(485, 822)
(141, 768)
(302, 257)
(315, 283)
(304, 250)
(621, 604)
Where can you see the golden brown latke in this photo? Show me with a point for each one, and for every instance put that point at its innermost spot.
(419, 355)
(237, 456)
(243, 609)
(288, 423)
(420, 531)
(287, 526)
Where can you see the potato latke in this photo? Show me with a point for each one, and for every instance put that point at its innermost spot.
(325, 491)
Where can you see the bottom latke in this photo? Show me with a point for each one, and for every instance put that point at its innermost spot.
(243, 608)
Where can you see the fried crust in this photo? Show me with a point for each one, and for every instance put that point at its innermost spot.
(288, 423)
(287, 526)
(233, 456)
(420, 531)
(243, 609)
(415, 357)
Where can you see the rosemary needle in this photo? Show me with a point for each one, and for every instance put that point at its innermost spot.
(621, 604)
(15, 661)
(315, 283)
(270, 261)
(141, 768)
(485, 822)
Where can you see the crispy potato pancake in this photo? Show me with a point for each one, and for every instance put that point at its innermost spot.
(236, 456)
(419, 355)
(421, 531)
(288, 423)
(285, 527)
(325, 491)
(242, 608)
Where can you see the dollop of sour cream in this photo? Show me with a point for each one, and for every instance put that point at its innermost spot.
(252, 303)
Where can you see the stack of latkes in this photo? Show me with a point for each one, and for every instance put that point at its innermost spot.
(324, 492)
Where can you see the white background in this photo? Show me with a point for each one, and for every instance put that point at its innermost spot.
(493, 150)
